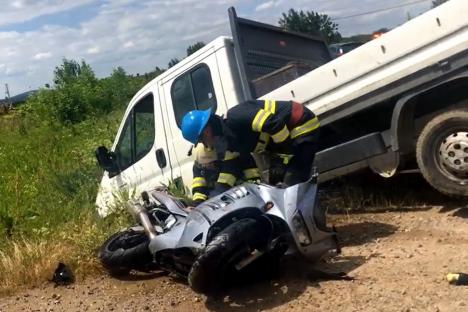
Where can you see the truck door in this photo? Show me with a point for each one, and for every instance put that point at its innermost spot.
(140, 150)
(196, 85)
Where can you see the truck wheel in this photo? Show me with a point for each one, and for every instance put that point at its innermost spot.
(442, 152)
(125, 251)
(215, 266)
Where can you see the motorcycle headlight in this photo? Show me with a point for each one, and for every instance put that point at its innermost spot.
(302, 233)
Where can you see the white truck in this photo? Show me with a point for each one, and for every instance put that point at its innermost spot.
(400, 97)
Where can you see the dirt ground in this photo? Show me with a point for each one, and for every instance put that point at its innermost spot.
(399, 260)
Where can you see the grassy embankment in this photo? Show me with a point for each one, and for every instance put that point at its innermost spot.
(49, 177)
(48, 182)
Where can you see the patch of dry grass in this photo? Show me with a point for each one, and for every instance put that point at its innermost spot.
(28, 262)
(370, 192)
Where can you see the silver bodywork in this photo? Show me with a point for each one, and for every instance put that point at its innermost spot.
(293, 208)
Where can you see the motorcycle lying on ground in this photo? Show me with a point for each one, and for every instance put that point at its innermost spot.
(223, 236)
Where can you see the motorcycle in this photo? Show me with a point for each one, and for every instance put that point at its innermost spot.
(225, 235)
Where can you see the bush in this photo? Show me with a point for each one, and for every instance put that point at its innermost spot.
(79, 95)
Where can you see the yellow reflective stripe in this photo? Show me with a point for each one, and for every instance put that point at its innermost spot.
(263, 140)
(286, 158)
(199, 196)
(230, 155)
(199, 179)
(252, 173)
(259, 120)
(198, 182)
(281, 135)
(227, 178)
(270, 106)
(309, 126)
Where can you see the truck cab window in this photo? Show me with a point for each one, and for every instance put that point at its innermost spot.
(193, 90)
(137, 137)
(123, 150)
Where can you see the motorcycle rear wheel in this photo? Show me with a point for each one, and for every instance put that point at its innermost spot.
(125, 251)
(215, 266)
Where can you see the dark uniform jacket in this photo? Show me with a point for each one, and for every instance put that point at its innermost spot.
(254, 126)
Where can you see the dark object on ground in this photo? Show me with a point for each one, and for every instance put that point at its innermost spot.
(457, 278)
(321, 275)
(63, 275)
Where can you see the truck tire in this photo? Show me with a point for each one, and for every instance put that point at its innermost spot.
(125, 251)
(214, 267)
(442, 152)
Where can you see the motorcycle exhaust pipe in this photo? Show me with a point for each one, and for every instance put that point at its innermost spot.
(140, 213)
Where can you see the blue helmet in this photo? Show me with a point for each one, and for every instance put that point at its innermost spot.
(193, 124)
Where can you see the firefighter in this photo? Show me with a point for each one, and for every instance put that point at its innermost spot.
(206, 170)
(287, 127)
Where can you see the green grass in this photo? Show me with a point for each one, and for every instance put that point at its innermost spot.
(48, 174)
(48, 184)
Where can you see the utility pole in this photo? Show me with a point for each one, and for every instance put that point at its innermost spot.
(7, 97)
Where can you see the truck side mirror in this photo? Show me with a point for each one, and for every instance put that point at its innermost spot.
(161, 158)
(106, 160)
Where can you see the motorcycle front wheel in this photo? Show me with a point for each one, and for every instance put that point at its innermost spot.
(125, 251)
(215, 266)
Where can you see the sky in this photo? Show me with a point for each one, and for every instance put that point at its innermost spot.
(138, 35)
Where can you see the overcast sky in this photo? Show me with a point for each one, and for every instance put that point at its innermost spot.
(141, 34)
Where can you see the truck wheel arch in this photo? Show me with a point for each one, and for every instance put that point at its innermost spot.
(403, 130)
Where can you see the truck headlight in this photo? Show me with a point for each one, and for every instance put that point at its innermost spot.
(302, 233)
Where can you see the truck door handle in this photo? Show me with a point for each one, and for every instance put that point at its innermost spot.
(161, 158)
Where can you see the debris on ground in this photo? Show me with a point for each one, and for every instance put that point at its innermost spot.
(457, 278)
(62, 275)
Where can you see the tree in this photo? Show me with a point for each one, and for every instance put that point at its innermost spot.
(117, 87)
(312, 23)
(436, 3)
(172, 62)
(77, 93)
(71, 70)
(195, 47)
